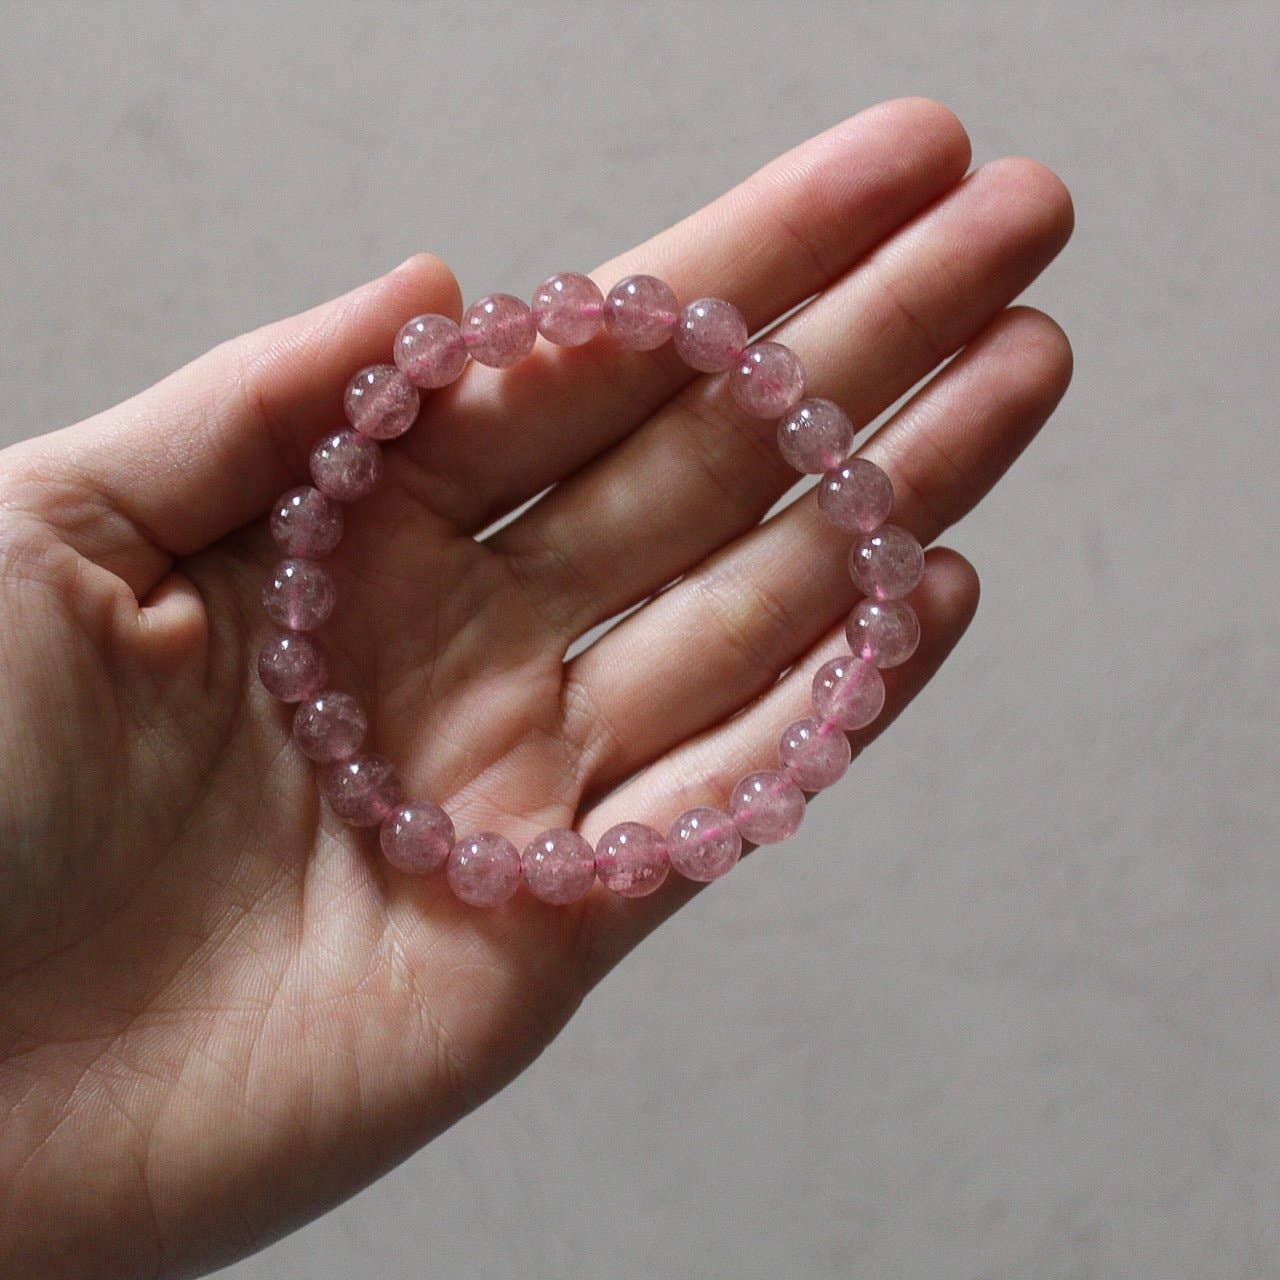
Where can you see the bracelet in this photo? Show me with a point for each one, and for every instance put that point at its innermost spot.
(766, 380)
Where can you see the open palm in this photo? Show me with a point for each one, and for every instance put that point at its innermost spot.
(219, 1010)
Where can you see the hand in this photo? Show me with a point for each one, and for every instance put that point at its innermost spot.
(220, 1012)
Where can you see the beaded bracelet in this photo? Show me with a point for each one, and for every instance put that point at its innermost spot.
(767, 380)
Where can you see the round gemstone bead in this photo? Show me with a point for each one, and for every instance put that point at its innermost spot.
(767, 806)
(640, 312)
(330, 726)
(361, 790)
(631, 859)
(559, 866)
(292, 666)
(484, 869)
(848, 692)
(416, 837)
(568, 309)
(856, 496)
(299, 594)
(429, 350)
(883, 632)
(306, 523)
(815, 755)
(768, 381)
(815, 436)
(886, 563)
(499, 330)
(381, 402)
(710, 334)
(346, 465)
(703, 844)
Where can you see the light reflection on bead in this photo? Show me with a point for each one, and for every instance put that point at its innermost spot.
(704, 844)
(304, 522)
(559, 866)
(768, 381)
(631, 859)
(767, 806)
(856, 496)
(330, 726)
(710, 334)
(815, 755)
(499, 330)
(484, 869)
(887, 563)
(568, 309)
(429, 350)
(381, 402)
(292, 666)
(815, 436)
(299, 594)
(884, 632)
(640, 312)
(416, 837)
(848, 692)
(346, 465)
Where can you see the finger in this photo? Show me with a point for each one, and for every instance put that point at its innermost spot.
(496, 438)
(702, 472)
(207, 449)
(719, 637)
(705, 769)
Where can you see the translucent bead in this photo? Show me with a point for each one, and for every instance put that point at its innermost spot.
(430, 351)
(768, 381)
(703, 844)
(815, 436)
(361, 790)
(306, 523)
(346, 465)
(381, 402)
(767, 806)
(848, 692)
(710, 334)
(299, 594)
(815, 755)
(887, 563)
(883, 632)
(559, 866)
(568, 309)
(640, 312)
(631, 859)
(292, 666)
(416, 837)
(331, 726)
(484, 869)
(499, 330)
(856, 497)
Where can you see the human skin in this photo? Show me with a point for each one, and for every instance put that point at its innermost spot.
(220, 1012)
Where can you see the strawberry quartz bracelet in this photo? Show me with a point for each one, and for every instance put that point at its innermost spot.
(766, 380)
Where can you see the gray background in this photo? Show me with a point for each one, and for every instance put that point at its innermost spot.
(1025, 1024)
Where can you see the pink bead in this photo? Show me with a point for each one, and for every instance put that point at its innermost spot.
(856, 497)
(499, 330)
(815, 436)
(815, 755)
(703, 844)
(484, 869)
(710, 334)
(559, 867)
(640, 312)
(883, 632)
(887, 563)
(306, 523)
(568, 309)
(430, 351)
(346, 465)
(330, 726)
(299, 594)
(416, 837)
(848, 692)
(631, 859)
(381, 402)
(768, 381)
(292, 666)
(362, 790)
(767, 806)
